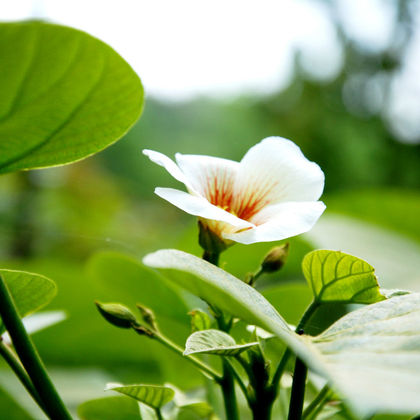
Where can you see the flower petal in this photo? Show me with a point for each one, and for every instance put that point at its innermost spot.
(199, 206)
(211, 177)
(168, 164)
(280, 221)
(275, 170)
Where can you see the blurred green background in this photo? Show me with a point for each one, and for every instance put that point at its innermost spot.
(56, 221)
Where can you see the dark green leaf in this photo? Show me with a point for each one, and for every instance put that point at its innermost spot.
(338, 277)
(64, 95)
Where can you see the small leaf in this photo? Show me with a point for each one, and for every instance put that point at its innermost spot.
(338, 277)
(152, 395)
(30, 291)
(109, 408)
(200, 320)
(64, 95)
(214, 342)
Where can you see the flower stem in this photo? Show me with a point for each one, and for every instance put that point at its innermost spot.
(298, 390)
(306, 317)
(29, 356)
(317, 403)
(207, 370)
(12, 360)
(228, 389)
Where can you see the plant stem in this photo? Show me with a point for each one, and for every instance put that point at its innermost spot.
(12, 360)
(207, 370)
(29, 356)
(158, 414)
(298, 390)
(239, 380)
(211, 257)
(228, 389)
(306, 317)
(317, 402)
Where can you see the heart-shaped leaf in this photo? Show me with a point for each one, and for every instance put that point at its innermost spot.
(152, 395)
(215, 342)
(64, 95)
(109, 408)
(30, 291)
(338, 277)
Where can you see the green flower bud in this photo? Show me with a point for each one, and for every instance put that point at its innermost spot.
(148, 316)
(117, 314)
(275, 259)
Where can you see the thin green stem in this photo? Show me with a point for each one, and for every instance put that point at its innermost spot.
(239, 380)
(207, 370)
(12, 360)
(228, 389)
(29, 356)
(306, 317)
(317, 402)
(298, 390)
(158, 414)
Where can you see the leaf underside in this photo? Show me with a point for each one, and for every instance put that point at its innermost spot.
(64, 95)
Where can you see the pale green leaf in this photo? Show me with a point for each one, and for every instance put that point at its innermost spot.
(215, 342)
(30, 291)
(109, 408)
(154, 396)
(64, 95)
(373, 355)
(200, 320)
(229, 294)
(338, 277)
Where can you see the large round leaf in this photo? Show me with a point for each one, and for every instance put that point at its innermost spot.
(64, 95)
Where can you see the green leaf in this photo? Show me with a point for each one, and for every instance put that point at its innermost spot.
(152, 395)
(229, 294)
(338, 277)
(30, 291)
(109, 408)
(65, 95)
(214, 342)
(200, 320)
(195, 411)
(373, 356)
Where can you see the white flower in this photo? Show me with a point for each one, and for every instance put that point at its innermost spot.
(271, 194)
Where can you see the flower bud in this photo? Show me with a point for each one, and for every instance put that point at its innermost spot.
(117, 314)
(275, 259)
(148, 316)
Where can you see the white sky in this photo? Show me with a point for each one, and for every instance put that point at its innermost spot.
(223, 48)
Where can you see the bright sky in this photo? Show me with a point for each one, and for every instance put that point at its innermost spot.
(221, 48)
